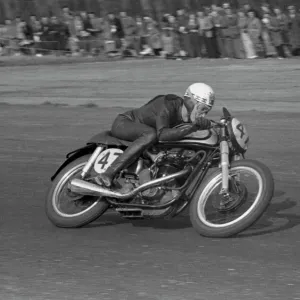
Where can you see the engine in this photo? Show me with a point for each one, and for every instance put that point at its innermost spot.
(153, 164)
(156, 164)
(164, 163)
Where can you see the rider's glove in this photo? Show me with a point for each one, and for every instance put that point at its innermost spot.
(203, 123)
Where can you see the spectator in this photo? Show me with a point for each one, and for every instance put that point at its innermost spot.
(59, 34)
(148, 25)
(96, 33)
(201, 26)
(182, 31)
(167, 42)
(246, 8)
(45, 35)
(217, 29)
(246, 40)
(9, 41)
(37, 32)
(18, 35)
(218, 20)
(173, 25)
(34, 24)
(78, 25)
(209, 37)
(86, 33)
(129, 28)
(165, 21)
(27, 43)
(19, 28)
(140, 33)
(265, 8)
(294, 30)
(226, 6)
(66, 11)
(116, 30)
(284, 26)
(72, 37)
(275, 29)
(194, 41)
(155, 42)
(232, 34)
(214, 8)
(269, 48)
(255, 31)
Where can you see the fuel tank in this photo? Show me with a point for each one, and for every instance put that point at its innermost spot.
(206, 137)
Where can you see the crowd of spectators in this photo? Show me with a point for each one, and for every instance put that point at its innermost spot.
(213, 32)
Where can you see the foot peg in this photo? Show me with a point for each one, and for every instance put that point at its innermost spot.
(103, 180)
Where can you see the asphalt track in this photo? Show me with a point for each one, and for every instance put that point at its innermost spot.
(117, 259)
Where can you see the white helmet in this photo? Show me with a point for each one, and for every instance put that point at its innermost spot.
(202, 93)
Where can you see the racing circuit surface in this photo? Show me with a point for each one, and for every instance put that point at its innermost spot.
(164, 260)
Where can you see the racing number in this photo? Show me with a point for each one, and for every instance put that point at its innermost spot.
(240, 132)
(241, 129)
(105, 159)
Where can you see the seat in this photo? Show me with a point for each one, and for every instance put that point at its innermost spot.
(106, 138)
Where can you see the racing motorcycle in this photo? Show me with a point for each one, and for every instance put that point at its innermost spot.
(205, 170)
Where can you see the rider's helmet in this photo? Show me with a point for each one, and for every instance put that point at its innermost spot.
(199, 99)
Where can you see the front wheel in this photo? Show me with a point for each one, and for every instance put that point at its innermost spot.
(213, 216)
(69, 210)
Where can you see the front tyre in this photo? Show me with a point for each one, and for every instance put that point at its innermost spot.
(65, 209)
(211, 218)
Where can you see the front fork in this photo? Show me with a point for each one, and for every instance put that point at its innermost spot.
(86, 169)
(225, 167)
(224, 149)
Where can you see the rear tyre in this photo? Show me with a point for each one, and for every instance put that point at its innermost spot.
(68, 210)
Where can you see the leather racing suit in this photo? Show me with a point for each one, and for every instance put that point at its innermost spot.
(146, 125)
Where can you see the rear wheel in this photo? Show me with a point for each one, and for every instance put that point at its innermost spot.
(213, 216)
(69, 210)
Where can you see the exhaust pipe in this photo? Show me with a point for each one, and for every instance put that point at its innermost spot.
(82, 187)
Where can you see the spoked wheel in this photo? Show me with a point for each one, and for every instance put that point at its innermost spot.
(67, 209)
(251, 188)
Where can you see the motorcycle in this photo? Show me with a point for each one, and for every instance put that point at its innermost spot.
(206, 170)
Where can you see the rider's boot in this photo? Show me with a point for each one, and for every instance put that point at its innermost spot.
(107, 177)
(126, 158)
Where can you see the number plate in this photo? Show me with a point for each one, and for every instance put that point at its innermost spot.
(240, 132)
(105, 159)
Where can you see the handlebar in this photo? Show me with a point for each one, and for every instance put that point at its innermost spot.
(216, 124)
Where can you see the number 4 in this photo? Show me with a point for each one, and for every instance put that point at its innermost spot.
(104, 160)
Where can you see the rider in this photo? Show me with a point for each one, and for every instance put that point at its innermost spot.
(155, 121)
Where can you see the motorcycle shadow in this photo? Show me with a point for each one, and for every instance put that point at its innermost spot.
(179, 222)
(274, 219)
(112, 219)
